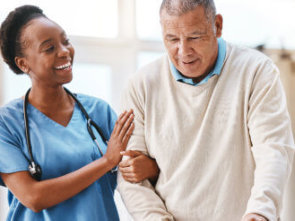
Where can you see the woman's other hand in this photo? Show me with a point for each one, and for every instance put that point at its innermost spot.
(119, 138)
(138, 167)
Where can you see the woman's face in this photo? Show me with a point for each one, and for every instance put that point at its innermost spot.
(48, 55)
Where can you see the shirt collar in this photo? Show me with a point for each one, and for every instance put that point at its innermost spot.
(215, 71)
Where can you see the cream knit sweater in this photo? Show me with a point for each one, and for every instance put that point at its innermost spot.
(224, 148)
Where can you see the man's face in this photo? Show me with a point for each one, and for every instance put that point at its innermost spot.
(191, 41)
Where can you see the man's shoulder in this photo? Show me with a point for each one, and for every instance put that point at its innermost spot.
(151, 70)
(249, 64)
(245, 55)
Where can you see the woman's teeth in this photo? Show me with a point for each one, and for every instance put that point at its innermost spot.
(64, 66)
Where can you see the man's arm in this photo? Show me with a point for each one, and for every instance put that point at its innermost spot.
(272, 142)
(141, 200)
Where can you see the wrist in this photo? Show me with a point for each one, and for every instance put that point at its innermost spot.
(109, 164)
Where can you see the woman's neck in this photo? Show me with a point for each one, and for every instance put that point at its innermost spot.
(47, 99)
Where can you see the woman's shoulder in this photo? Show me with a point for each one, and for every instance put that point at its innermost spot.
(94, 104)
(91, 100)
(12, 108)
(11, 116)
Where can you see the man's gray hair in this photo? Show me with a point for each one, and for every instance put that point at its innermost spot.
(179, 7)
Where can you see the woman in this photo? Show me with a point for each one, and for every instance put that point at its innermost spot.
(44, 136)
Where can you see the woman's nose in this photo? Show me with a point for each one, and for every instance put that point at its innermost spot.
(63, 51)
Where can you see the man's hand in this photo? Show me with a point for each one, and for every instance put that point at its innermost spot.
(138, 167)
(254, 217)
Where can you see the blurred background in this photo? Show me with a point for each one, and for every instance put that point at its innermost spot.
(114, 38)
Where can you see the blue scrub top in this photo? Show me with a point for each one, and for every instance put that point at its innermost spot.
(59, 150)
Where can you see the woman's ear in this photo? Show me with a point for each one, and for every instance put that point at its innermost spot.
(22, 64)
(218, 25)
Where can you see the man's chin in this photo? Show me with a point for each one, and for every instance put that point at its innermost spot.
(190, 73)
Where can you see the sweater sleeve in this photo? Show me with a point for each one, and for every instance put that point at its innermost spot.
(272, 142)
(141, 200)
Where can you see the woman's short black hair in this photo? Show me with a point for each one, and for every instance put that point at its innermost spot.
(10, 31)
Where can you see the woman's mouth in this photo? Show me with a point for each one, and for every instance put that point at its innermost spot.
(64, 66)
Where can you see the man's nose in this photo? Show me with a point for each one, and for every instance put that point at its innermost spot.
(185, 48)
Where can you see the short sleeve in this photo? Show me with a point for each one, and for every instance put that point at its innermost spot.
(12, 158)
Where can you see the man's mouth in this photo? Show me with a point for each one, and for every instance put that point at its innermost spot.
(188, 62)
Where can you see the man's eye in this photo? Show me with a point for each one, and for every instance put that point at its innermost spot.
(195, 38)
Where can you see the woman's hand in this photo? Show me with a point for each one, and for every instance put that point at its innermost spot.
(120, 136)
(138, 167)
(254, 217)
(47, 193)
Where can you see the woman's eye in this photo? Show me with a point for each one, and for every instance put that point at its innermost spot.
(49, 49)
(67, 41)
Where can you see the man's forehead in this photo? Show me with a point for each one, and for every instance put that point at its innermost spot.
(185, 25)
(178, 24)
(195, 17)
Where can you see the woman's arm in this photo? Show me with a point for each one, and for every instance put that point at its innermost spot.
(138, 167)
(44, 194)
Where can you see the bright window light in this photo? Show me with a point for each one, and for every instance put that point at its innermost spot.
(145, 57)
(251, 22)
(15, 85)
(147, 20)
(92, 18)
(92, 79)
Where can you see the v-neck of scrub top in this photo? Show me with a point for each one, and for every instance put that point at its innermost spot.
(59, 150)
(53, 122)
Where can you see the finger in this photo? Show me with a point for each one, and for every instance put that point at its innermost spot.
(120, 122)
(125, 163)
(129, 175)
(259, 218)
(115, 130)
(132, 179)
(128, 134)
(121, 115)
(131, 153)
(126, 170)
(126, 127)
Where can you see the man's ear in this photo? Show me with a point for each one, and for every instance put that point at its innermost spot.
(22, 64)
(218, 25)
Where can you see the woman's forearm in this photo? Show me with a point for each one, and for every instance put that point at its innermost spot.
(44, 194)
(41, 195)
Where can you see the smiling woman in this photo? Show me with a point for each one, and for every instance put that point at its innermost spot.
(49, 55)
(66, 168)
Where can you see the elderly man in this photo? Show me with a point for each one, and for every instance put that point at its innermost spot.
(214, 117)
